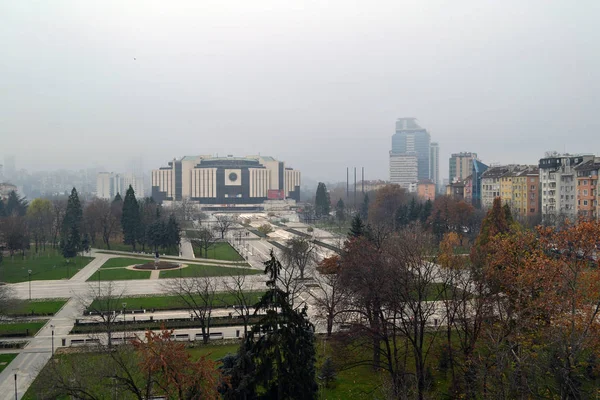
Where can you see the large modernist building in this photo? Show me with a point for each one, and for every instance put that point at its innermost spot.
(225, 180)
(411, 138)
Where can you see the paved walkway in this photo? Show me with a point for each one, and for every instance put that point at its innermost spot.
(39, 350)
(186, 248)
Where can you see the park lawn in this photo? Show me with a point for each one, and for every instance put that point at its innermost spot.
(48, 266)
(38, 307)
(193, 270)
(218, 251)
(33, 327)
(5, 360)
(119, 274)
(222, 299)
(121, 262)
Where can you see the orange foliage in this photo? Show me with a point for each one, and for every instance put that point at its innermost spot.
(329, 265)
(175, 373)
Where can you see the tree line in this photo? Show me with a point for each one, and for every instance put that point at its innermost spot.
(72, 227)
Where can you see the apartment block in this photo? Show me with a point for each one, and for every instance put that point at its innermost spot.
(587, 189)
(525, 193)
(460, 165)
(558, 180)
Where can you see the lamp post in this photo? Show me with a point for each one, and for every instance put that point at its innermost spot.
(52, 326)
(16, 370)
(29, 272)
(124, 307)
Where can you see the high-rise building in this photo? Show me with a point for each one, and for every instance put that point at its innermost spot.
(587, 189)
(411, 138)
(108, 184)
(558, 180)
(434, 164)
(404, 169)
(461, 165)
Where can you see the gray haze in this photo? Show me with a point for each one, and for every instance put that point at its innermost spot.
(318, 84)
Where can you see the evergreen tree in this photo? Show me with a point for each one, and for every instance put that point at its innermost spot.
(327, 373)
(173, 238)
(322, 201)
(15, 205)
(364, 208)
(357, 228)
(426, 211)
(70, 241)
(498, 220)
(402, 216)
(414, 210)
(2, 209)
(130, 219)
(340, 210)
(277, 359)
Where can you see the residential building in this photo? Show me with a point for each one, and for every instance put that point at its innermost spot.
(525, 190)
(587, 189)
(108, 184)
(491, 185)
(468, 193)
(426, 190)
(404, 169)
(434, 164)
(371, 186)
(558, 180)
(456, 189)
(226, 181)
(410, 138)
(137, 183)
(460, 165)
(477, 170)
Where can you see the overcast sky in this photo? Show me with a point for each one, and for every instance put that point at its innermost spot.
(317, 84)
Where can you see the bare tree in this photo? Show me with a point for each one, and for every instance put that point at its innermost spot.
(59, 207)
(104, 301)
(241, 289)
(93, 215)
(299, 252)
(224, 223)
(330, 295)
(8, 301)
(204, 237)
(198, 296)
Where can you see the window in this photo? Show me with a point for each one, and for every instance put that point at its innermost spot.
(585, 192)
(585, 182)
(585, 202)
(532, 187)
(532, 210)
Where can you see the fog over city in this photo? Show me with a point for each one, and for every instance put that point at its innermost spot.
(317, 84)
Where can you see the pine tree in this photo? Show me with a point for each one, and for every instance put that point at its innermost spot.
(2, 209)
(15, 205)
(364, 208)
(130, 219)
(327, 373)
(173, 238)
(357, 228)
(70, 241)
(340, 210)
(278, 355)
(322, 201)
(426, 211)
(498, 220)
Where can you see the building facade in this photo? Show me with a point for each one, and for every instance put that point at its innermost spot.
(410, 138)
(558, 180)
(434, 164)
(587, 189)
(477, 171)
(404, 169)
(426, 190)
(108, 184)
(491, 185)
(460, 165)
(226, 180)
(525, 190)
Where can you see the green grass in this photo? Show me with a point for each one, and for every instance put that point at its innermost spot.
(193, 270)
(120, 262)
(33, 327)
(174, 302)
(38, 307)
(218, 251)
(5, 360)
(46, 266)
(120, 274)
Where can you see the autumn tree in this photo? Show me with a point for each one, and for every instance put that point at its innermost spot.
(387, 201)
(330, 295)
(497, 221)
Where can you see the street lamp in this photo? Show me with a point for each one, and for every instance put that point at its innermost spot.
(124, 307)
(52, 326)
(16, 370)
(29, 272)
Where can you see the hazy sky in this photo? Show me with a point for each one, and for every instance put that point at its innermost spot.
(318, 84)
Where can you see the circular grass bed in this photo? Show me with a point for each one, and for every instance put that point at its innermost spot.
(161, 265)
